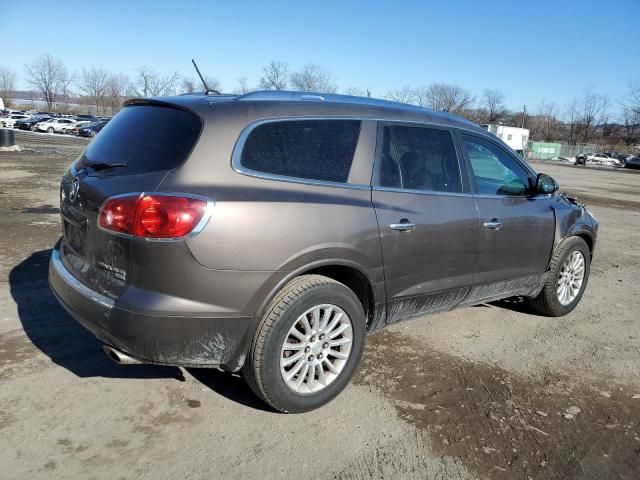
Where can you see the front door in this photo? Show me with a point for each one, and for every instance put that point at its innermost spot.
(427, 220)
(516, 229)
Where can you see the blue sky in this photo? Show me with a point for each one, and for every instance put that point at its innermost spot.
(529, 50)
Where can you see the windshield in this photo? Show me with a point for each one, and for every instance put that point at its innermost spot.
(145, 138)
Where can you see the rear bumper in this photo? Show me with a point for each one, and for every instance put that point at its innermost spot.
(165, 340)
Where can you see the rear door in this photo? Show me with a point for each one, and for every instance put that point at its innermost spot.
(516, 229)
(426, 217)
(142, 142)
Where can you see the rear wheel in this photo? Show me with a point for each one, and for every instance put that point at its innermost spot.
(568, 274)
(307, 345)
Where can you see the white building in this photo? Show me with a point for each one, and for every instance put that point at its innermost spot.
(1, 104)
(515, 137)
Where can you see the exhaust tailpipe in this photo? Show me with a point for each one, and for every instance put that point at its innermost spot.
(119, 357)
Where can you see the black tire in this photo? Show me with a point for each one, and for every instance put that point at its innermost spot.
(50, 130)
(262, 366)
(547, 303)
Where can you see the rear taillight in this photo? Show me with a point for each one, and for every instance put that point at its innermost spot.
(152, 216)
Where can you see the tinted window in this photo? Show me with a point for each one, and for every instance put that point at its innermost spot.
(495, 172)
(145, 138)
(418, 158)
(312, 149)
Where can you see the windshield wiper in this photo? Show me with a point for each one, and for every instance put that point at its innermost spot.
(104, 165)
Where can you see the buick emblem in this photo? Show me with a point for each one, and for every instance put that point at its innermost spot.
(73, 190)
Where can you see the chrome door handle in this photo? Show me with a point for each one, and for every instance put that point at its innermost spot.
(402, 227)
(493, 224)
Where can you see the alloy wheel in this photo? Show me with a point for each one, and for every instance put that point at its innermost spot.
(570, 278)
(316, 349)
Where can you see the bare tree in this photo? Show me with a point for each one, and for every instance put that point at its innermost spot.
(593, 112)
(312, 78)
(447, 98)
(405, 94)
(64, 91)
(571, 118)
(547, 118)
(493, 102)
(190, 84)
(7, 83)
(275, 76)
(243, 86)
(632, 101)
(119, 87)
(357, 92)
(630, 126)
(48, 75)
(152, 84)
(631, 115)
(94, 82)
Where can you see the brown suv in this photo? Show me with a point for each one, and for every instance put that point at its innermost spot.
(271, 232)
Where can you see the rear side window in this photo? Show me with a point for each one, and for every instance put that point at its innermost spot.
(309, 149)
(146, 139)
(418, 158)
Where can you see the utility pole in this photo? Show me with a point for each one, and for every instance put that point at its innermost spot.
(524, 112)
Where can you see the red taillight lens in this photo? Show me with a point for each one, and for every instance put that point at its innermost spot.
(119, 214)
(153, 216)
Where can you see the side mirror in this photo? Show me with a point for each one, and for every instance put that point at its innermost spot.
(545, 184)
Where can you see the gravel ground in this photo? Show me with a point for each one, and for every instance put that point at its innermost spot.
(484, 392)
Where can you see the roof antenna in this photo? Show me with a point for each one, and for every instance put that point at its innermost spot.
(207, 90)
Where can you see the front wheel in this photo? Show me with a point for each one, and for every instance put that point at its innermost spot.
(307, 345)
(568, 274)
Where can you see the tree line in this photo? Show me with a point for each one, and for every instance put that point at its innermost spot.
(589, 117)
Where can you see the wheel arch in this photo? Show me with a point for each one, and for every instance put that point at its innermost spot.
(347, 272)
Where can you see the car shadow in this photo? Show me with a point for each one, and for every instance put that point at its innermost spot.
(516, 304)
(46, 209)
(52, 330)
(229, 385)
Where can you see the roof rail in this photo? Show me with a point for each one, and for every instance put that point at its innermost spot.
(286, 95)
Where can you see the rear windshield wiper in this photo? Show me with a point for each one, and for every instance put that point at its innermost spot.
(104, 165)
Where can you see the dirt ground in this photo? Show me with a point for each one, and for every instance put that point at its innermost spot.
(485, 392)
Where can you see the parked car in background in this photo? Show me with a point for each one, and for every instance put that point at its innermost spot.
(92, 129)
(53, 125)
(604, 159)
(582, 158)
(9, 122)
(75, 127)
(31, 122)
(632, 161)
(273, 232)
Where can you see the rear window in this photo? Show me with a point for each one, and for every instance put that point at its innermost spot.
(309, 149)
(145, 138)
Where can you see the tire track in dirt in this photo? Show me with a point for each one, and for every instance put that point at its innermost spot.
(503, 426)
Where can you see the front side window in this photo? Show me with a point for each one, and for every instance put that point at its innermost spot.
(310, 149)
(418, 158)
(495, 172)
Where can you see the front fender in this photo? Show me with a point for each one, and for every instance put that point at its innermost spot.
(572, 219)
